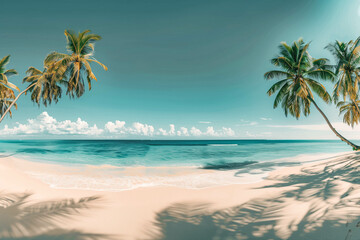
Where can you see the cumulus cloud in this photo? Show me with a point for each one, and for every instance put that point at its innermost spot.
(228, 132)
(141, 129)
(195, 132)
(183, 132)
(162, 132)
(118, 126)
(172, 130)
(137, 128)
(45, 124)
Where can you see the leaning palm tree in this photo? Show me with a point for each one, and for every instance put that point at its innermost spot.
(350, 111)
(5, 74)
(44, 85)
(299, 74)
(347, 69)
(59, 69)
(77, 62)
(7, 94)
(7, 97)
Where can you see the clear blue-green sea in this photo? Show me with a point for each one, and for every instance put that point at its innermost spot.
(165, 152)
(109, 164)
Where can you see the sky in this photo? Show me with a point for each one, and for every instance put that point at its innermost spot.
(177, 69)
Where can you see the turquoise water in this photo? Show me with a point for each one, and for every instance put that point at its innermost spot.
(234, 161)
(166, 153)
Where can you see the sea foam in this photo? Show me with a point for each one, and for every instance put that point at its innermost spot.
(113, 178)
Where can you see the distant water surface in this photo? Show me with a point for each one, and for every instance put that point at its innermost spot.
(201, 153)
(118, 165)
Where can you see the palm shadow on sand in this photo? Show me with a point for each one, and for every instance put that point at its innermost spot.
(22, 219)
(320, 203)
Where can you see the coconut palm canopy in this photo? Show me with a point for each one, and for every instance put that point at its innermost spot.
(68, 70)
(7, 94)
(6, 73)
(347, 57)
(44, 85)
(350, 111)
(76, 64)
(299, 76)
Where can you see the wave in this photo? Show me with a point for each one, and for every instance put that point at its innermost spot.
(112, 178)
(123, 183)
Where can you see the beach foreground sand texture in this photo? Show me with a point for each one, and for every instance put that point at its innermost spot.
(318, 200)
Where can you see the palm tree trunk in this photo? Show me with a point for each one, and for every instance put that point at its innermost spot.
(355, 147)
(12, 104)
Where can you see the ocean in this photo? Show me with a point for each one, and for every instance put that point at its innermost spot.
(234, 161)
(164, 152)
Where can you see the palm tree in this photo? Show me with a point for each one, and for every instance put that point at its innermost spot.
(350, 111)
(299, 74)
(9, 103)
(7, 97)
(5, 74)
(7, 94)
(59, 69)
(77, 62)
(44, 85)
(347, 56)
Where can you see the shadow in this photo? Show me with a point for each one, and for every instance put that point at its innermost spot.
(60, 234)
(23, 219)
(321, 202)
(227, 166)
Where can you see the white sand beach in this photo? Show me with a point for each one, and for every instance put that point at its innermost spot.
(318, 200)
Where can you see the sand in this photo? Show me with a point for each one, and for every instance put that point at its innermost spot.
(318, 200)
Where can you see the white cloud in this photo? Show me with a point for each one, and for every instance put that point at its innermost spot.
(45, 124)
(184, 131)
(136, 128)
(195, 132)
(265, 119)
(210, 131)
(162, 132)
(141, 129)
(204, 122)
(172, 130)
(228, 132)
(118, 126)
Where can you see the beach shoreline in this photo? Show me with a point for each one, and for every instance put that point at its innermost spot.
(123, 178)
(138, 213)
